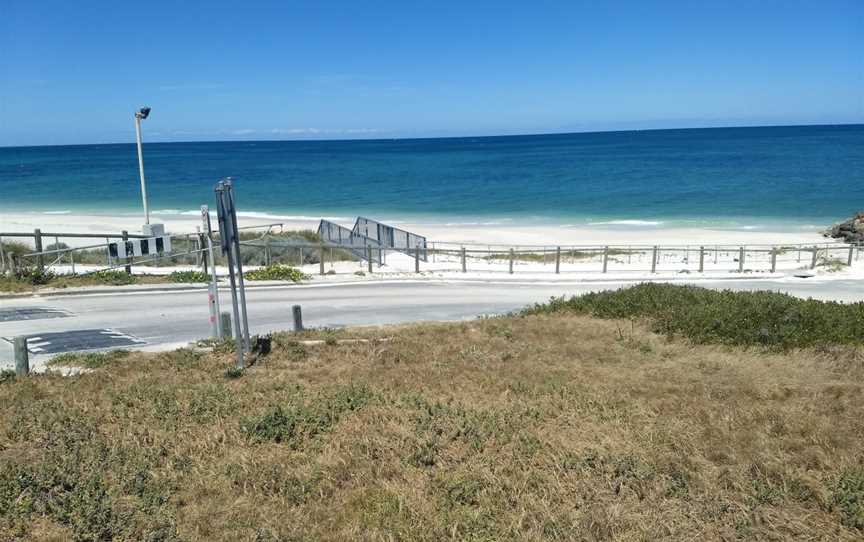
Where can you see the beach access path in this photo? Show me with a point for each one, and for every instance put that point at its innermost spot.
(164, 318)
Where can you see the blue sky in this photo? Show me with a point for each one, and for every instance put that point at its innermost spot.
(74, 72)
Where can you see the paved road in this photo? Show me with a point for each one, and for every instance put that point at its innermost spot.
(160, 320)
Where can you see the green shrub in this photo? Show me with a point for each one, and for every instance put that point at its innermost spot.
(7, 375)
(89, 360)
(188, 276)
(35, 276)
(770, 319)
(277, 272)
(114, 277)
(296, 422)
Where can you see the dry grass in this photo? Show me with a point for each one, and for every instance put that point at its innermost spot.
(554, 427)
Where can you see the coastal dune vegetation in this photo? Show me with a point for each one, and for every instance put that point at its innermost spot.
(605, 417)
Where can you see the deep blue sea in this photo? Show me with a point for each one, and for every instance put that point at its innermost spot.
(731, 177)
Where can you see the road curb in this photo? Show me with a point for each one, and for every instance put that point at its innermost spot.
(163, 288)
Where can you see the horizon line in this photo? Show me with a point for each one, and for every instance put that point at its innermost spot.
(411, 138)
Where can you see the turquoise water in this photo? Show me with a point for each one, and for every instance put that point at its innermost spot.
(733, 177)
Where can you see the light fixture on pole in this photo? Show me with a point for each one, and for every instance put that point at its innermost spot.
(141, 114)
(155, 229)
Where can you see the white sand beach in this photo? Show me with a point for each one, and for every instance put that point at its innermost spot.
(513, 235)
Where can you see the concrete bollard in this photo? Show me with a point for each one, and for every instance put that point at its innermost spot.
(22, 357)
(298, 317)
(226, 325)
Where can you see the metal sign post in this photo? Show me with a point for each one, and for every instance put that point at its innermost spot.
(213, 289)
(230, 241)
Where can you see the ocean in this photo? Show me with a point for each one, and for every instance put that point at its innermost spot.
(807, 176)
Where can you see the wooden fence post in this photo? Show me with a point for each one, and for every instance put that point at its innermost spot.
(558, 260)
(464, 263)
(369, 256)
(226, 325)
(321, 259)
(22, 357)
(741, 260)
(297, 312)
(773, 259)
(512, 256)
(417, 259)
(605, 258)
(128, 259)
(849, 259)
(37, 241)
(654, 259)
(815, 255)
(701, 259)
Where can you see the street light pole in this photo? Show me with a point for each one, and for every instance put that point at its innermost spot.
(142, 114)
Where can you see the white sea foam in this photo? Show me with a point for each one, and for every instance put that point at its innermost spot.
(265, 215)
(627, 223)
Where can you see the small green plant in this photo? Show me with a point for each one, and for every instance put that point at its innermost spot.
(232, 373)
(277, 272)
(89, 360)
(848, 496)
(360, 273)
(188, 276)
(219, 346)
(7, 375)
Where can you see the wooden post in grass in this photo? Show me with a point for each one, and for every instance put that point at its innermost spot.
(605, 258)
(128, 267)
(321, 259)
(2, 258)
(741, 260)
(22, 357)
(701, 259)
(369, 257)
(813, 260)
(37, 241)
(464, 264)
(849, 258)
(773, 259)
(297, 312)
(654, 259)
(512, 256)
(226, 325)
(558, 260)
(417, 259)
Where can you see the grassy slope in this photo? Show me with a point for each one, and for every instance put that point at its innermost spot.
(543, 427)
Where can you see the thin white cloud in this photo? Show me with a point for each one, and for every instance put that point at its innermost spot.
(191, 86)
(323, 131)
